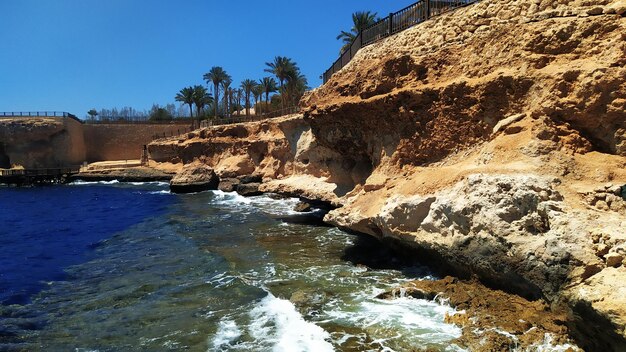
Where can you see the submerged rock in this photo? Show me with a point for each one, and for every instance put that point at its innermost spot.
(194, 178)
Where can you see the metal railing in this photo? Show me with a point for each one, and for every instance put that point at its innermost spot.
(40, 171)
(14, 114)
(394, 23)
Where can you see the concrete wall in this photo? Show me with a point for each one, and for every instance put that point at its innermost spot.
(123, 141)
(39, 142)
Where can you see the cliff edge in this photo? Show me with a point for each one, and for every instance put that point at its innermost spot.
(491, 140)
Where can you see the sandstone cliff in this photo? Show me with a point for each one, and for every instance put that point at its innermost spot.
(42, 142)
(491, 140)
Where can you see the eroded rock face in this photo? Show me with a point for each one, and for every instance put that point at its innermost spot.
(195, 177)
(504, 227)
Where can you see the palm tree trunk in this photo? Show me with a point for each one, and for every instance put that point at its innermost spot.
(256, 105)
(282, 96)
(191, 114)
(217, 98)
(248, 107)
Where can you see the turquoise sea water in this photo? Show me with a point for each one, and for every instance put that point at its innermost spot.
(131, 267)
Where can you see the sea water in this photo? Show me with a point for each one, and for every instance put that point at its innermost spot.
(131, 267)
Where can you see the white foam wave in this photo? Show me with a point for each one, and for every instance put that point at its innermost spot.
(405, 319)
(263, 203)
(278, 322)
(222, 197)
(114, 182)
(81, 182)
(153, 183)
(227, 333)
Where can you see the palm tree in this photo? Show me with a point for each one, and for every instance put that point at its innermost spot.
(360, 20)
(280, 68)
(185, 96)
(201, 98)
(231, 100)
(296, 85)
(248, 85)
(216, 75)
(225, 87)
(258, 94)
(269, 86)
(239, 93)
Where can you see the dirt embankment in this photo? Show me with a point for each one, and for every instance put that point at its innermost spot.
(491, 140)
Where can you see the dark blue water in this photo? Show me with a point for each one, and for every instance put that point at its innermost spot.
(44, 230)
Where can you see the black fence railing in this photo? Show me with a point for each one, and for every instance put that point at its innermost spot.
(394, 23)
(40, 171)
(39, 114)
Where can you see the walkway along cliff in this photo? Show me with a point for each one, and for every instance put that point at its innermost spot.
(490, 141)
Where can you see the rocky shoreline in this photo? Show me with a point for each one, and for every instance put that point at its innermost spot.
(489, 317)
(489, 141)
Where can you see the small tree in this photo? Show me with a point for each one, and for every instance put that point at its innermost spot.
(92, 114)
(160, 114)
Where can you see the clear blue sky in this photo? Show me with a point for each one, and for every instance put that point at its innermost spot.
(73, 55)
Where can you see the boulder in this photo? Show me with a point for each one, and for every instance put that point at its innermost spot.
(302, 207)
(194, 178)
(228, 185)
(249, 189)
